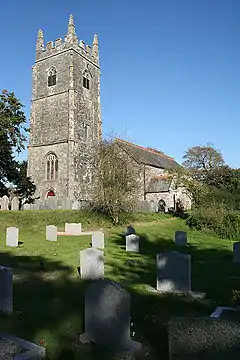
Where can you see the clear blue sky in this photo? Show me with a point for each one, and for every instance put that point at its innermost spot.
(170, 68)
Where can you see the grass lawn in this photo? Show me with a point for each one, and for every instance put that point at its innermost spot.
(49, 302)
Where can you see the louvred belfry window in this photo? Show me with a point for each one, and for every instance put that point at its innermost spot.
(52, 77)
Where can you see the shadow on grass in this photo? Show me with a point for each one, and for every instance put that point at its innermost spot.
(49, 296)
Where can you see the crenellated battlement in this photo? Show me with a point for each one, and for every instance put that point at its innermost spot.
(70, 42)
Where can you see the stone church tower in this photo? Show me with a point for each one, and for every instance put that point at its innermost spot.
(65, 121)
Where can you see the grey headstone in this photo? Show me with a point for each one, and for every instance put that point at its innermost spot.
(51, 233)
(181, 238)
(5, 203)
(6, 290)
(15, 203)
(107, 316)
(26, 207)
(51, 203)
(91, 264)
(12, 236)
(73, 228)
(132, 243)
(129, 231)
(203, 339)
(75, 205)
(236, 252)
(98, 240)
(174, 272)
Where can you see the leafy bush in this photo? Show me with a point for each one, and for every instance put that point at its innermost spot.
(217, 219)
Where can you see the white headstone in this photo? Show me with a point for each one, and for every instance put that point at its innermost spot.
(98, 240)
(91, 264)
(73, 228)
(51, 233)
(12, 236)
(174, 272)
(181, 238)
(132, 243)
(15, 203)
(5, 203)
(6, 290)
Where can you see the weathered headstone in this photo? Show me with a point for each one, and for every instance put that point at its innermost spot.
(98, 240)
(51, 233)
(91, 264)
(107, 317)
(132, 243)
(51, 203)
(73, 228)
(181, 238)
(15, 203)
(174, 272)
(236, 252)
(129, 231)
(12, 236)
(5, 203)
(6, 290)
(26, 207)
(203, 339)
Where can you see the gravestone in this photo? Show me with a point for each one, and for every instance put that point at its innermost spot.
(51, 203)
(12, 236)
(132, 243)
(174, 272)
(91, 264)
(98, 240)
(203, 339)
(6, 290)
(5, 203)
(107, 317)
(129, 231)
(73, 228)
(26, 207)
(181, 238)
(15, 203)
(236, 252)
(51, 233)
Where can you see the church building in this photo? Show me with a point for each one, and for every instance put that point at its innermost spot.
(66, 125)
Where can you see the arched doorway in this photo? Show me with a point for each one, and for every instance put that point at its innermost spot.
(161, 206)
(50, 193)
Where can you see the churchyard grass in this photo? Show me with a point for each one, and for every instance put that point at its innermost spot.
(48, 297)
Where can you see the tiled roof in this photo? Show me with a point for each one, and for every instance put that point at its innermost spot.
(147, 156)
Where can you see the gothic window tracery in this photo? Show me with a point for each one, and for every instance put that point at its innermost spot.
(52, 76)
(51, 167)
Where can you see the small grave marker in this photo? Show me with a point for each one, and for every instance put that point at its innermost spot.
(107, 317)
(51, 233)
(12, 236)
(181, 238)
(97, 240)
(236, 252)
(6, 290)
(91, 264)
(132, 243)
(73, 228)
(174, 272)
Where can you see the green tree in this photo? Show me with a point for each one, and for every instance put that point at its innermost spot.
(202, 160)
(12, 140)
